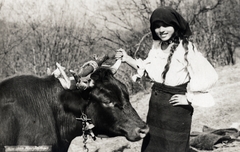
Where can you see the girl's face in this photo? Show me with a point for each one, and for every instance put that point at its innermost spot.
(164, 33)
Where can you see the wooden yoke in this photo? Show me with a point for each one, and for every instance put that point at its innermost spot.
(82, 79)
(91, 66)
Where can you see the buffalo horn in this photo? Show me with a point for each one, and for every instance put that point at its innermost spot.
(61, 69)
(116, 66)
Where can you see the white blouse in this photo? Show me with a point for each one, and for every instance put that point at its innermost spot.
(198, 71)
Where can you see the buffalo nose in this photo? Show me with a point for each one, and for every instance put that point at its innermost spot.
(143, 131)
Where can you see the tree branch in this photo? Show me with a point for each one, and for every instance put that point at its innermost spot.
(139, 44)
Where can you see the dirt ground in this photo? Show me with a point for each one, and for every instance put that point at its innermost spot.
(225, 112)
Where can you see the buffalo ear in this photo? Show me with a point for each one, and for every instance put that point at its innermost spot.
(95, 77)
(101, 75)
(104, 73)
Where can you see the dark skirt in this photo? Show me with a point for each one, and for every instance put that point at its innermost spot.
(169, 126)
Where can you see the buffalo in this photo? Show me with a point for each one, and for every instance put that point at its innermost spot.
(39, 111)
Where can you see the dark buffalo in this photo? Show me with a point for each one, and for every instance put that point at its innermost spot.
(38, 111)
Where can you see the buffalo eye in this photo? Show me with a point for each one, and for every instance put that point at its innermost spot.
(108, 104)
(112, 104)
(118, 106)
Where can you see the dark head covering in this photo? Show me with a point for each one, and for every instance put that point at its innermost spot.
(167, 16)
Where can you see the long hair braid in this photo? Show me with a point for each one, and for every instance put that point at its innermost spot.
(185, 43)
(166, 68)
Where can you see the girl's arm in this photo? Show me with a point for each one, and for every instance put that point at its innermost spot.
(203, 77)
(121, 53)
(137, 64)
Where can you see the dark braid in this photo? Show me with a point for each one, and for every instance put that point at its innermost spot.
(185, 43)
(166, 68)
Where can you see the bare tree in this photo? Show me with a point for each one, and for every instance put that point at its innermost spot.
(38, 40)
(35, 41)
(212, 22)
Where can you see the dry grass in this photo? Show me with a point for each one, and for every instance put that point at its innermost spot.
(221, 115)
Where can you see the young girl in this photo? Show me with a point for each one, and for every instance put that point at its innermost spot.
(181, 77)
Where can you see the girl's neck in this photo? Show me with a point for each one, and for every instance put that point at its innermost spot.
(165, 44)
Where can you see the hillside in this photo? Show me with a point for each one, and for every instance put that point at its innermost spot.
(221, 115)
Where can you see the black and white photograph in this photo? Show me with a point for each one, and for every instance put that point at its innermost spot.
(119, 75)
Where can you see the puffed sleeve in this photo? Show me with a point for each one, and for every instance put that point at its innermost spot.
(141, 64)
(202, 77)
(141, 68)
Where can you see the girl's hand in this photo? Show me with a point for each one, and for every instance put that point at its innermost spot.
(179, 99)
(121, 53)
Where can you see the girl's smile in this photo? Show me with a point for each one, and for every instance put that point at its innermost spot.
(164, 33)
